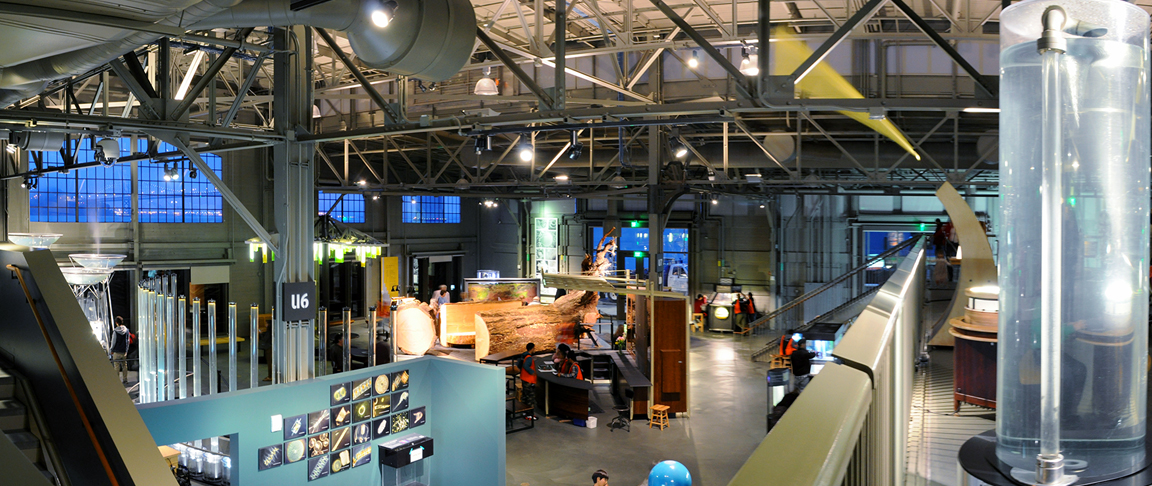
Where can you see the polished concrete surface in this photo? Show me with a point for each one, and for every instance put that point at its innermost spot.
(728, 400)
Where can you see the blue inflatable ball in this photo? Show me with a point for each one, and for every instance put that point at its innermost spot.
(669, 473)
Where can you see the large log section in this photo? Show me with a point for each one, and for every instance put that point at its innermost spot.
(544, 325)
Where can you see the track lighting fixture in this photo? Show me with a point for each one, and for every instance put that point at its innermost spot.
(171, 173)
(694, 61)
(193, 173)
(488, 203)
(30, 182)
(750, 64)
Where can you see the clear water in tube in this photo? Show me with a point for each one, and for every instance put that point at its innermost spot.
(1074, 189)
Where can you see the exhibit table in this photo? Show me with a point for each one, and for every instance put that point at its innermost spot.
(564, 397)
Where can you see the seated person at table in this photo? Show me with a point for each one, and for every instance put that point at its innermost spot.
(565, 361)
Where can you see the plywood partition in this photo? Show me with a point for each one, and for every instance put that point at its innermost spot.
(458, 320)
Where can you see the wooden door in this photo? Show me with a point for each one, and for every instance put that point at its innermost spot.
(670, 354)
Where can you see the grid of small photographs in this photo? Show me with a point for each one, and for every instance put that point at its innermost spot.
(339, 438)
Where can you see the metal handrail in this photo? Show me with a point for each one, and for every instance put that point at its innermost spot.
(853, 416)
(836, 281)
(775, 343)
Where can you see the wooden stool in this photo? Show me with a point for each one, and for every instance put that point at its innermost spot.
(698, 322)
(659, 416)
(781, 362)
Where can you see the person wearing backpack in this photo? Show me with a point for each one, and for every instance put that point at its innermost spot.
(121, 340)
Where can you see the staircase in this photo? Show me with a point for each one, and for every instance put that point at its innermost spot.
(19, 426)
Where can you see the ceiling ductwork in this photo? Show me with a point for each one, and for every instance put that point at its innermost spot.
(428, 39)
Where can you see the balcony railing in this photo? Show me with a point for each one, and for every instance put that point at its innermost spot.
(852, 419)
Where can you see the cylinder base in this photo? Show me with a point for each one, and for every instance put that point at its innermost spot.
(978, 458)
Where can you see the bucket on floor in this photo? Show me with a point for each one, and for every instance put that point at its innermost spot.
(591, 422)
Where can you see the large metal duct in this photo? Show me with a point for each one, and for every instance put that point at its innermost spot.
(27, 79)
(428, 39)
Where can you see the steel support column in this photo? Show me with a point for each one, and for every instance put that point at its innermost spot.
(293, 193)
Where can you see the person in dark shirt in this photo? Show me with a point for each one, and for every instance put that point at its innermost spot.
(802, 364)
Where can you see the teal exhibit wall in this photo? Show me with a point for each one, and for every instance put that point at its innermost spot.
(464, 406)
(460, 409)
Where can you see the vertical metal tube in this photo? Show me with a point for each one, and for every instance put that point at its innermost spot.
(141, 311)
(303, 353)
(323, 323)
(1050, 463)
(197, 383)
(161, 337)
(372, 335)
(212, 379)
(310, 351)
(392, 328)
(170, 340)
(254, 346)
(277, 348)
(232, 346)
(347, 339)
(183, 337)
(147, 339)
(289, 351)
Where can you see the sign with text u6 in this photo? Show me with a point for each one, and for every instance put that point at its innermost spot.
(299, 301)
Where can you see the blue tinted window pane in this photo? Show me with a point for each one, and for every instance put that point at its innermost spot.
(431, 209)
(184, 200)
(676, 240)
(349, 210)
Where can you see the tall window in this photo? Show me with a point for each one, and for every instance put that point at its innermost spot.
(182, 200)
(431, 209)
(88, 195)
(104, 194)
(349, 210)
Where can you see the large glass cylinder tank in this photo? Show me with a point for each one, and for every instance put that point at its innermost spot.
(1074, 186)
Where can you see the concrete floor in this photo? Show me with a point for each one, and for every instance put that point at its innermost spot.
(727, 421)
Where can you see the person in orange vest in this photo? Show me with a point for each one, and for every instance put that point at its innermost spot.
(565, 361)
(527, 364)
(737, 313)
(787, 345)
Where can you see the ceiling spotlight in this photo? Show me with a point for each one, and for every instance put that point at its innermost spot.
(171, 173)
(576, 147)
(761, 206)
(362, 183)
(30, 182)
(525, 152)
(694, 61)
(486, 86)
(562, 179)
(750, 65)
(488, 203)
(384, 12)
(107, 151)
(715, 200)
(193, 173)
(679, 148)
(375, 197)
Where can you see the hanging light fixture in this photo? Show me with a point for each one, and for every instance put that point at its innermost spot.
(526, 152)
(715, 200)
(171, 173)
(486, 86)
(750, 64)
(694, 61)
(384, 12)
(679, 148)
(576, 147)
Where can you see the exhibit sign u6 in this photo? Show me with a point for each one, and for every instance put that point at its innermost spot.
(299, 301)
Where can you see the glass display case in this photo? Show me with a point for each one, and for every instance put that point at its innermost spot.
(822, 339)
(721, 317)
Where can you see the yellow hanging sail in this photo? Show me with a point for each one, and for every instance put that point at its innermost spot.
(825, 82)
